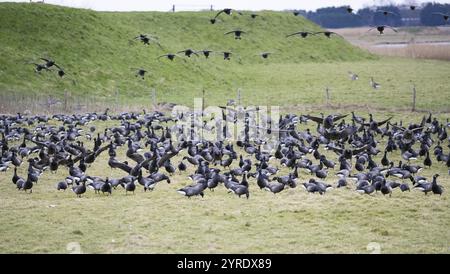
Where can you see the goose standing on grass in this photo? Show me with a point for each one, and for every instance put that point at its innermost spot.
(404, 187)
(374, 84)
(39, 67)
(129, 187)
(79, 189)
(170, 56)
(328, 34)
(265, 55)
(188, 52)
(386, 13)
(226, 11)
(427, 161)
(353, 76)
(226, 55)
(106, 187)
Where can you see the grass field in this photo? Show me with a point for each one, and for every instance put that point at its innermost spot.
(98, 57)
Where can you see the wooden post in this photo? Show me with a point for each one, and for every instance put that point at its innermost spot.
(414, 98)
(327, 93)
(211, 8)
(173, 8)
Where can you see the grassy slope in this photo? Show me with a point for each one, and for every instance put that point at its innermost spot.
(94, 48)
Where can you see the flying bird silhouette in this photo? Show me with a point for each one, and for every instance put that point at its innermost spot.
(382, 28)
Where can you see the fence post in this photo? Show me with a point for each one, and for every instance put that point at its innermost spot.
(414, 98)
(211, 9)
(327, 93)
(154, 98)
(239, 96)
(173, 8)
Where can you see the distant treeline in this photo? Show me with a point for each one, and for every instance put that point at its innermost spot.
(339, 17)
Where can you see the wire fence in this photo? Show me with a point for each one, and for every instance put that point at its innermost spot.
(31, 103)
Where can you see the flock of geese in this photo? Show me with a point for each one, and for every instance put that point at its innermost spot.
(148, 39)
(158, 147)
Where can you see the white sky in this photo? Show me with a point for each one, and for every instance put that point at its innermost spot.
(165, 5)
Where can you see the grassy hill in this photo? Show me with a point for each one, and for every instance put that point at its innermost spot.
(95, 50)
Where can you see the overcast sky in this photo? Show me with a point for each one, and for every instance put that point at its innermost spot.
(164, 5)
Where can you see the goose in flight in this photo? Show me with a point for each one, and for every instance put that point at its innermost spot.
(303, 34)
(61, 71)
(265, 55)
(381, 28)
(140, 72)
(170, 56)
(386, 12)
(328, 33)
(237, 33)
(353, 76)
(205, 52)
(444, 15)
(48, 62)
(226, 55)
(188, 52)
